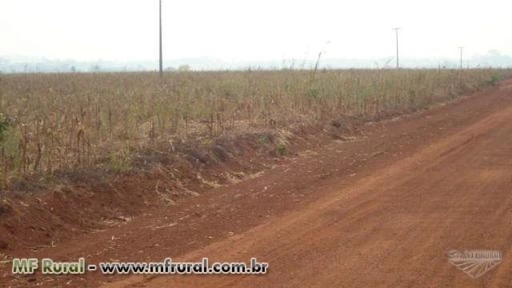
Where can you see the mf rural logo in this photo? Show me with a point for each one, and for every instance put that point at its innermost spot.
(475, 263)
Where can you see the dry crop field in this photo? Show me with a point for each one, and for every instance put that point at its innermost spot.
(54, 122)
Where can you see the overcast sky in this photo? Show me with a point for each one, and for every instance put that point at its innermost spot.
(126, 30)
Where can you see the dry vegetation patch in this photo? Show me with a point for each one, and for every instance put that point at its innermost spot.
(63, 122)
(104, 147)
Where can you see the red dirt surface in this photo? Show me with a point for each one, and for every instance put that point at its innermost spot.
(381, 210)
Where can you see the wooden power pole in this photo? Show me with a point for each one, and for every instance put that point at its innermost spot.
(461, 48)
(397, 55)
(161, 68)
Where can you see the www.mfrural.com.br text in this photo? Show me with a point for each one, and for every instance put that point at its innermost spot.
(167, 266)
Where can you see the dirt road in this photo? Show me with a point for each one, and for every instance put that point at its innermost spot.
(380, 211)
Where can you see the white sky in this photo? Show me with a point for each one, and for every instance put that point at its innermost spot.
(124, 30)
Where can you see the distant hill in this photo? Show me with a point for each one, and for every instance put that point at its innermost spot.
(20, 64)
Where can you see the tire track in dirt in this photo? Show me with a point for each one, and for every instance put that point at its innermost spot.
(389, 229)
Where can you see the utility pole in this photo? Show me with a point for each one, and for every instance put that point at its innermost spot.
(397, 56)
(461, 48)
(160, 32)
